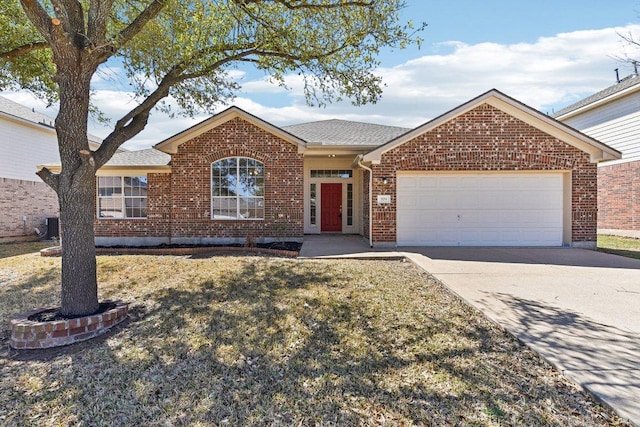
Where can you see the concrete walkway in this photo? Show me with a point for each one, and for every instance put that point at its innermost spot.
(578, 309)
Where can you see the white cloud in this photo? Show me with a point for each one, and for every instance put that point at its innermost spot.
(552, 72)
(262, 86)
(548, 74)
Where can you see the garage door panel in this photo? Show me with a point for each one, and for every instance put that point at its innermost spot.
(486, 209)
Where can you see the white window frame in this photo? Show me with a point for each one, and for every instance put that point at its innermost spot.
(237, 197)
(122, 196)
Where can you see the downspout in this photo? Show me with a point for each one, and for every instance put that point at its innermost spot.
(359, 160)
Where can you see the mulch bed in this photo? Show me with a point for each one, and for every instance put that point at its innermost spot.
(282, 249)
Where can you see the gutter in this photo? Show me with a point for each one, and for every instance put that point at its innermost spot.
(358, 161)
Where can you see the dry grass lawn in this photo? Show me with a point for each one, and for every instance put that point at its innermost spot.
(14, 249)
(261, 341)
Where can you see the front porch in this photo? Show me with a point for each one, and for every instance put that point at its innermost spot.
(343, 246)
(333, 195)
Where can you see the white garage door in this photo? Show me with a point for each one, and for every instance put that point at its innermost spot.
(484, 209)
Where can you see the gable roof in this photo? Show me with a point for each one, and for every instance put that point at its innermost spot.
(171, 144)
(531, 116)
(337, 132)
(24, 114)
(627, 85)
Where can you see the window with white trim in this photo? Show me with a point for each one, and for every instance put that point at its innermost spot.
(332, 173)
(122, 197)
(237, 189)
(312, 203)
(349, 204)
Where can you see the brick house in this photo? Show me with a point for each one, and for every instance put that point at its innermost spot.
(492, 172)
(613, 117)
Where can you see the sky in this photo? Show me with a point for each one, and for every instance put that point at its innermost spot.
(545, 53)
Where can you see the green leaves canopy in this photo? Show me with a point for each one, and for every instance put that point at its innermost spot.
(186, 48)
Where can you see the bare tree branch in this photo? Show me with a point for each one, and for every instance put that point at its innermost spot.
(134, 121)
(39, 17)
(50, 178)
(97, 21)
(22, 50)
(75, 16)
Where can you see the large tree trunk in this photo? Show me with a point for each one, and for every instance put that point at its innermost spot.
(76, 190)
(79, 280)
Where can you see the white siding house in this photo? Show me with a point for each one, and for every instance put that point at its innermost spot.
(27, 139)
(612, 116)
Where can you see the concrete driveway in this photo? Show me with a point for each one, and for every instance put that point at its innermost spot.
(578, 309)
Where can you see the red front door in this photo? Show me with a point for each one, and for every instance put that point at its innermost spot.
(331, 207)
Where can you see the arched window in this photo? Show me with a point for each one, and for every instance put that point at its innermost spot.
(237, 189)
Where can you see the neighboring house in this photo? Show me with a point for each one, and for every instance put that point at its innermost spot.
(492, 172)
(27, 139)
(613, 117)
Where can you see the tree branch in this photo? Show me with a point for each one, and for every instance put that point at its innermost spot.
(97, 21)
(75, 17)
(134, 122)
(141, 20)
(48, 27)
(339, 4)
(303, 5)
(22, 50)
(218, 64)
(39, 17)
(50, 178)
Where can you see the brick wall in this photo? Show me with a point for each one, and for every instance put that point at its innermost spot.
(179, 204)
(158, 221)
(365, 204)
(18, 198)
(619, 196)
(191, 182)
(487, 139)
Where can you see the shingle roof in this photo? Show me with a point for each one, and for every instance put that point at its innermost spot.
(12, 108)
(344, 132)
(148, 157)
(20, 111)
(625, 83)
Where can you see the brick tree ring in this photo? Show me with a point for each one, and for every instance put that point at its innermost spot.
(28, 331)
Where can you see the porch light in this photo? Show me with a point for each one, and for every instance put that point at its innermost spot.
(384, 180)
(331, 155)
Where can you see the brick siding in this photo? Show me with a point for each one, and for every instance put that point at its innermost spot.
(619, 196)
(180, 202)
(365, 204)
(487, 139)
(158, 221)
(18, 198)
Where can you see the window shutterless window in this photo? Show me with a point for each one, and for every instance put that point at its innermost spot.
(237, 189)
(312, 203)
(122, 197)
(332, 173)
(349, 204)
